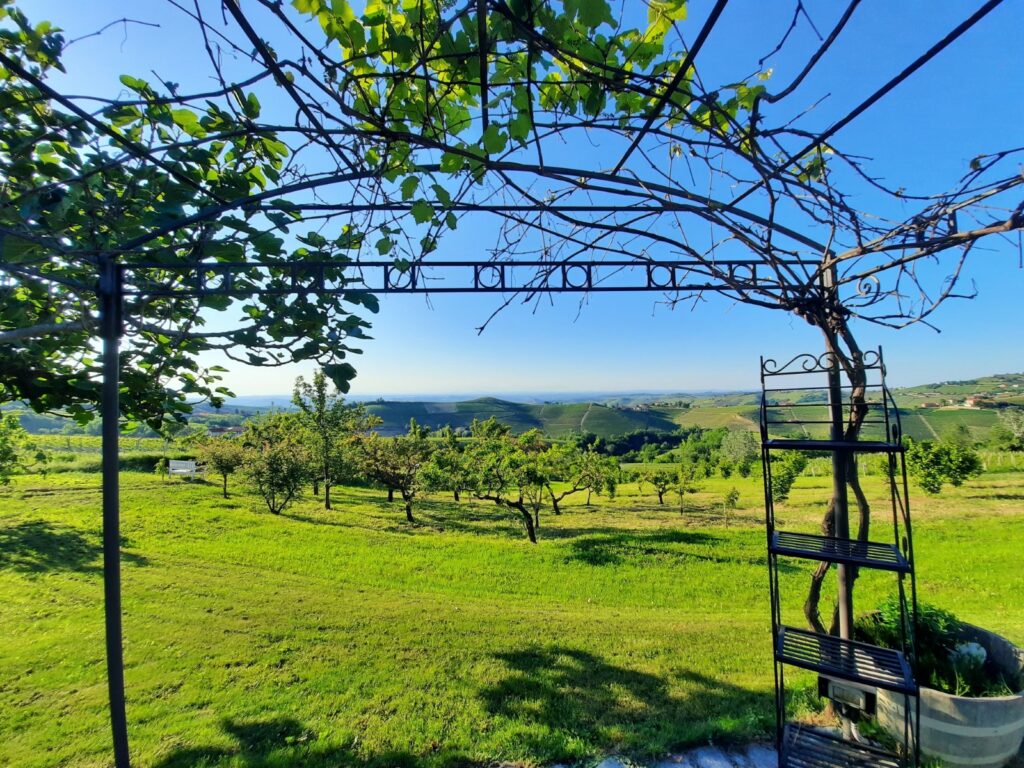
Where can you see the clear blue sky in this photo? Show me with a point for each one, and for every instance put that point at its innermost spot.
(922, 136)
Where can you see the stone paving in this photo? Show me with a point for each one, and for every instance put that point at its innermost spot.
(752, 756)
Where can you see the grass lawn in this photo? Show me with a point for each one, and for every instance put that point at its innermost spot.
(352, 638)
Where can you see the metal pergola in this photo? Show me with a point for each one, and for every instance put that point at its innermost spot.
(116, 281)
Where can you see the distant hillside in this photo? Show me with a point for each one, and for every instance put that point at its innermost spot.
(555, 419)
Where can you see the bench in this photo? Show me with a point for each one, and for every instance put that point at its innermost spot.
(183, 468)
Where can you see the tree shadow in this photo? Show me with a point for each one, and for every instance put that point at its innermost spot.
(567, 695)
(37, 546)
(284, 741)
(613, 548)
(998, 496)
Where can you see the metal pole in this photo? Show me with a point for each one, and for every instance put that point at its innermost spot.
(110, 305)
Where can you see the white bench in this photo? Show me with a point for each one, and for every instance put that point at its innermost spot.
(183, 468)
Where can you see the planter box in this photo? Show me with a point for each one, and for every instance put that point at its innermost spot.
(961, 731)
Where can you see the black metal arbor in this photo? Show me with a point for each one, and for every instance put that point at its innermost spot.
(117, 281)
(770, 226)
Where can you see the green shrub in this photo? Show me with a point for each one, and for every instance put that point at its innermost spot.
(943, 661)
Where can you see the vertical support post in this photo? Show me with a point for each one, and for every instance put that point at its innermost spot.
(109, 291)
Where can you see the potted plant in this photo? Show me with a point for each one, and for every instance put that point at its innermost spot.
(971, 687)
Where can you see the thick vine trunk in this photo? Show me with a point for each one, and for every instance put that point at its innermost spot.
(852, 363)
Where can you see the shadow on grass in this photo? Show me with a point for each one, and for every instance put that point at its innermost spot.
(283, 741)
(998, 496)
(37, 546)
(566, 695)
(614, 548)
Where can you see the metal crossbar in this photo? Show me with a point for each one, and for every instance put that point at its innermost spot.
(342, 276)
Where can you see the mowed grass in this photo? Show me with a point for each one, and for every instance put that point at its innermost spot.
(351, 638)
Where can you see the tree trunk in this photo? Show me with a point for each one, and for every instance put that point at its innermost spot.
(391, 494)
(554, 502)
(225, 489)
(316, 486)
(661, 497)
(852, 363)
(408, 510)
(455, 493)
(588, 496)
(327, 493)
(536, 517)
(531, 532)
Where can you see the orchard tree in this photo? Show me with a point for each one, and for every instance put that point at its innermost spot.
(448, 470)
(687, 481)
(933, 464)
(505, 468)
(398, 463)
(17, 451)
(577, 470)
(785, 470)
(659, 478)
(1011, 424)
(332, 427)
(223, 455)
(741, 449)
(275, 461)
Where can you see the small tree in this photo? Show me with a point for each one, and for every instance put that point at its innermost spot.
(660, 479)
(687, 480)
(275, 462)
(785, 470)
(398, 463)
(505, 468)
(1011, 427)
(730, 502)
(17, 451)
(934, 464)
(223, 455)
(331, 425)
(447, 470)
(740, 448)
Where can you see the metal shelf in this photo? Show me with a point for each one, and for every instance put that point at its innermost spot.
(867, 554)
(858, 446)
(805, 748)
(845, 659)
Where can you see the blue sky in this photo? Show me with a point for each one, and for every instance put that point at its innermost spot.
(922, 136)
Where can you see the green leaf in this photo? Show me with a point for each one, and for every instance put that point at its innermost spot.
(409, 187)
(590, 12)
(422, 211)
(134, 83)
(494, 140)
(452, 163)
(384, 246)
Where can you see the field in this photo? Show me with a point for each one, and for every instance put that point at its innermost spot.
(555, 419)
(352, 638)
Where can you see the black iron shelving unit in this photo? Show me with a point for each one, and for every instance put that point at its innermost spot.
(805, 407)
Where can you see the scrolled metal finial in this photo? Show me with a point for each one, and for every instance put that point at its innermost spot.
(871, 359)
(802, 363)
(869, 289)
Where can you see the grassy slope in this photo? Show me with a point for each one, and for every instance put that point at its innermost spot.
(349, 638)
